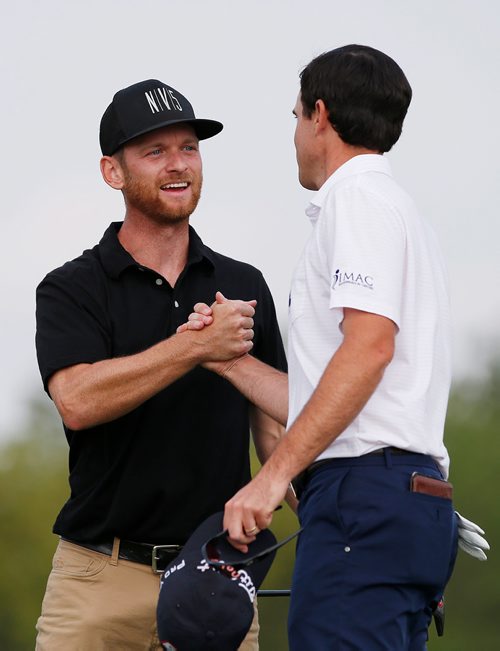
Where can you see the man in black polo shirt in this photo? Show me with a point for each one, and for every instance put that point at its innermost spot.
(157, 443)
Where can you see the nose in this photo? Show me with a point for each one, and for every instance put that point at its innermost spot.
(176, 162)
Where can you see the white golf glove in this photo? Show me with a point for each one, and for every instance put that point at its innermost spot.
(470, 538)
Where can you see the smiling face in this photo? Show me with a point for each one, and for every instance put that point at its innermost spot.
(162, 174)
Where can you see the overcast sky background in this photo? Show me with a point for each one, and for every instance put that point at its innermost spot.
(238, 62)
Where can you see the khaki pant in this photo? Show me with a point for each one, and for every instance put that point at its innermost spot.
(95, 602)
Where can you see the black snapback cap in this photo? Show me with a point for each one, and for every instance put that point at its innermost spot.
(202, 607)
(144, 107)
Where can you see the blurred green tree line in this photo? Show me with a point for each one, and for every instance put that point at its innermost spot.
(33, 486)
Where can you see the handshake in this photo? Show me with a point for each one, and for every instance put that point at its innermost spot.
(230, 334)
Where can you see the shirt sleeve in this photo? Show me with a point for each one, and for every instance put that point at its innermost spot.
(366, 253)
(71, 325)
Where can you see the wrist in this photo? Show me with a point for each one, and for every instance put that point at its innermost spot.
(275, 470)
(192, 347)
(227, 367)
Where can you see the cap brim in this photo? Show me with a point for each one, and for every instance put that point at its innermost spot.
(203, 128)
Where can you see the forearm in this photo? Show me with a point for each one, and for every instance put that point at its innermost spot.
(346, 385)
(267, 433)
(87, 395)
(263, 385)
(90, 394)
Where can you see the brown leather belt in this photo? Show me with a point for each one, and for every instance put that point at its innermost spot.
(157, 556)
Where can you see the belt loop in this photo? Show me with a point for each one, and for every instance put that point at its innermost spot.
(388, 457)
(115, 552)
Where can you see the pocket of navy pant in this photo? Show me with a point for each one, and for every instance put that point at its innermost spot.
(396, 536)
(321, 495)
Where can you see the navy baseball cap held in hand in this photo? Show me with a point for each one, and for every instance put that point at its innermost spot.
(144, 107)
(207, 607)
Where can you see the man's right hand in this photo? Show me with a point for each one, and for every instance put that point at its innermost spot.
(230, 333)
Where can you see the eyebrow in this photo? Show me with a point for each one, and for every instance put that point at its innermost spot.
(158, 143)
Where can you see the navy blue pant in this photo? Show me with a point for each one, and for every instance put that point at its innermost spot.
(372, 556)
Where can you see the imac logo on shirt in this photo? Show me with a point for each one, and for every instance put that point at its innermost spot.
(351, 278)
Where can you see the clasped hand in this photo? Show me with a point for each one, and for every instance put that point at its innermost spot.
(231, 329)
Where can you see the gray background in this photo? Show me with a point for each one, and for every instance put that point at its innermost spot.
(239, 62)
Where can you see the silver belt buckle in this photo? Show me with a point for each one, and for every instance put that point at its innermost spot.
(155, 558)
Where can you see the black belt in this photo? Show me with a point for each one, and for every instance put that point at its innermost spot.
(299, 483)
(157, 556)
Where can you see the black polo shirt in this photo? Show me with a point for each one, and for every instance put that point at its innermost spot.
(154, 474)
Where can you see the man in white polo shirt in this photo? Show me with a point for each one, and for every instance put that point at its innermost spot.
(371, 252)
(369, 369)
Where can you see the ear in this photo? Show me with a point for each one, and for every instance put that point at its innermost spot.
(112, 172)
(320, 116)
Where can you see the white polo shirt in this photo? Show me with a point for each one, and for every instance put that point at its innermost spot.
(370, 250)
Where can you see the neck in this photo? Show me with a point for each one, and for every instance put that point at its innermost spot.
(338, 157)
(161, 247)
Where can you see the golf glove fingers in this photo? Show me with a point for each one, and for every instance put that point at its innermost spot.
(468, 524)
(470, 539)
(472, 550)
